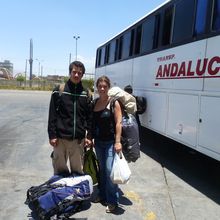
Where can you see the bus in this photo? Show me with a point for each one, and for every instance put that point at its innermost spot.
(171, 56)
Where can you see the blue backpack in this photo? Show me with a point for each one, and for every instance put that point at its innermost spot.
(60, 196)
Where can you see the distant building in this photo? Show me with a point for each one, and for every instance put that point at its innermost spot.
(6, 69)
(89, 76)
(8, 65)
(55, 77)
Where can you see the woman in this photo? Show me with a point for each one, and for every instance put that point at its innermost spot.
(107, 135)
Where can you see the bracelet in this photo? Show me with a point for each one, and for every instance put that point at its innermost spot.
(117, 142)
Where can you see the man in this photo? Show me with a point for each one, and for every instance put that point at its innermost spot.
(141, 104)
(129, 90)
(69, 123)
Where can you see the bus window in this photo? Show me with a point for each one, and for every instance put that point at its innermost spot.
(148, 34)
(216, 16)
(126, 45)
(132, 43)
(183, 21)
(99, 54)
(107, 53)
(96, 61)
(112, 51)
(138, 40)
(156, 31)
(121, 39)
(118, 48)
(102, 56)
(167, 26)
(201, 16)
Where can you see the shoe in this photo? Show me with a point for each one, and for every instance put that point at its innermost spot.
(110, 208)
(97, 200)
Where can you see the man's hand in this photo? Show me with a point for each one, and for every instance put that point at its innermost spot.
(88, 142)
(53, 142)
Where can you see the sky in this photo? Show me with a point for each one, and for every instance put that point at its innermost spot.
(51, 24)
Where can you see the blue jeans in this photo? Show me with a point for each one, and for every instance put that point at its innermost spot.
(105, 154)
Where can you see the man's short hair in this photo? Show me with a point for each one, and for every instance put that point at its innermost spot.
(77, 64)
(128, 89)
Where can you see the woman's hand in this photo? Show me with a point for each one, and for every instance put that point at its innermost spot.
(118, 147)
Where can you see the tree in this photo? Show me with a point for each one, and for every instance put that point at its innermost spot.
(20, 79)
(88, 83)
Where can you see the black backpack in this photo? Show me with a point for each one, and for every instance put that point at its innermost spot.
(141, 104)
(130, 134)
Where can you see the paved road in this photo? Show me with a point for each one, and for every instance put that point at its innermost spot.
(168, 182)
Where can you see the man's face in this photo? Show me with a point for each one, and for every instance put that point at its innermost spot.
(76, 74)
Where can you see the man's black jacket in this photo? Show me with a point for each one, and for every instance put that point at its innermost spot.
(70, 112)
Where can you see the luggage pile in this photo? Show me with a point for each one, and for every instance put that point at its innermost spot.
(130, 132)
(59, 197)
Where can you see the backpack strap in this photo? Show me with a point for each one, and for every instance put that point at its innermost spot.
(112, 106)
(35, 191)
(89, 94)
(61, 88)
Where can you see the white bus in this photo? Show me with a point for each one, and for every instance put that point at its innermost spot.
(172, 57)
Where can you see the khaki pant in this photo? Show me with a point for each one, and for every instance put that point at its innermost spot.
(68, 149)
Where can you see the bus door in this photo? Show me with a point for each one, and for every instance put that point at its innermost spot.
(209, 121)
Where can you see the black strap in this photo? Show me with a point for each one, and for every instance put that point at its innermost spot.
(112, 106)
(35, 191)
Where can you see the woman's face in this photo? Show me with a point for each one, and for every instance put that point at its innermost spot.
(103, 88)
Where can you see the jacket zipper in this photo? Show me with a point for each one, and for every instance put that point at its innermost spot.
(74, 114)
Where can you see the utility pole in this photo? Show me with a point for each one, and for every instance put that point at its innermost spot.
(70, 58)
(26, 61)
(31, 59)
(40, 67)
(76, 38)
(41, 71)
